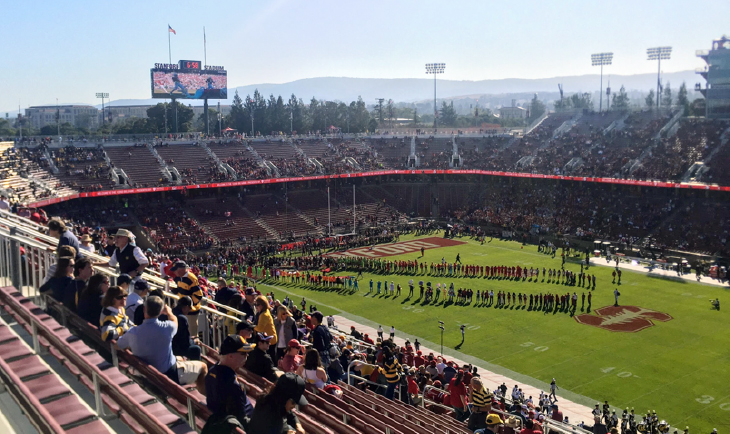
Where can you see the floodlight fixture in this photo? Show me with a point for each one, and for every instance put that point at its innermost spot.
(659, 54)
(102, 95)
(435, 69)
(601, 59)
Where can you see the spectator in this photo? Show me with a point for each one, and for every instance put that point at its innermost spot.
(152, 343)
(274, 411)
(86, 244)
(458, 397)
(62, 277)
(264, 321)
(124, 281)
(113, 321)
(131, 259)
(392, 371)
(493, 423)
(187, 284)
(82, 272)
(245, 329)
(136, 298)
(481, 401)
(556, 414)
(182, 344)
(248, 307)
(61, 252)
(224, 293)
(286, 329)
(312, 371)
(259, 361)
(225, 395)
(291, 361)
(57, 229)
(321, 338)
(89, 303)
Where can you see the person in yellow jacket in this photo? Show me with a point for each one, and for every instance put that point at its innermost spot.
(265, 322)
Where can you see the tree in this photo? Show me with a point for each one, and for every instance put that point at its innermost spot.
(415, 117)
(682, 99)
(373, 125)
(582, 101)
(238, 118)
(6, 128)
(212, 119)
(156, 116)
(650, 99)
(537, 108)
(667, 97)
(390, 110)
(447, 114)
(620, 100)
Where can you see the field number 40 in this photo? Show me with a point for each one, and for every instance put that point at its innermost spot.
(707, 399)
(539, 349)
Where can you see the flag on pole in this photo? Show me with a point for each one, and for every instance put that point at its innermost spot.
(171, 30)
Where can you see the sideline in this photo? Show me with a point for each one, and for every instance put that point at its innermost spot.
(576, 407)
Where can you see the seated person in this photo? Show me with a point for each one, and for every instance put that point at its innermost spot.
(292, 359)
(715, 303)
(259, 361)
(182, 344)
(151, 342)
(225, 395)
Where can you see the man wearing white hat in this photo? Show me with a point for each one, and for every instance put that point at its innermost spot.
(131, 259)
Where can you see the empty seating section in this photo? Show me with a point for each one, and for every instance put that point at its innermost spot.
(83, 169)
(392, 152)
(547, 127)
(192, 161)
(313, 204)
(315, 148)
(123, 397)
(275, 213)
(211, 213)
(274, 151)
(138, 163)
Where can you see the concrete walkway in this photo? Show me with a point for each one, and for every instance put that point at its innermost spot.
(575, 412)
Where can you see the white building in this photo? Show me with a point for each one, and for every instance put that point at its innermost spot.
(512, 113)
(83, 116)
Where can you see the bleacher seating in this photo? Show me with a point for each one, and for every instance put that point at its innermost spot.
(138, 163)
(191, 160)
(83, 169)
(284, 221)
(210, 212)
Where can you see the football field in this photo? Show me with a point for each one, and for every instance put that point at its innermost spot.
(675, 361)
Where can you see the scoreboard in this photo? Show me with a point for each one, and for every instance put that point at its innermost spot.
(187, 79)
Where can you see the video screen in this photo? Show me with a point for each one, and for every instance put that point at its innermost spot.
(189, 85)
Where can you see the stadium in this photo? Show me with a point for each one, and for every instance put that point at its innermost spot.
(561, 276)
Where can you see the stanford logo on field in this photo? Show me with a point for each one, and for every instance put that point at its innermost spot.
(398, 248)
(629, 319)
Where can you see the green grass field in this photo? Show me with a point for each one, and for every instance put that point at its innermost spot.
(678, 368)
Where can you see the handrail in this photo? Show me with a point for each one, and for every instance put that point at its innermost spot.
(38, 416)
(135, 409)
(33, 236)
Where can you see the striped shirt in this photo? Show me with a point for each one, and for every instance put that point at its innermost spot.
(188, 285)
(480, 398)
(113, 323)
(391, 370)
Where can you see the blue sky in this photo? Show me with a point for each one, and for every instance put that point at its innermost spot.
(71, 49)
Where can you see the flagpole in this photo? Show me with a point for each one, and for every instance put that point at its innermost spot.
(169, 49)
(205, 48)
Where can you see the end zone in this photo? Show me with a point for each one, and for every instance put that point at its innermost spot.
(398, 248)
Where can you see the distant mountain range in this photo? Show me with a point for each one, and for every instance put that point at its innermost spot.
(418, 90)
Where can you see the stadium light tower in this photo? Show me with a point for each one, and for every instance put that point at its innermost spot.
(659, 53)
(102, 95)
(435, 69)
(601, 59)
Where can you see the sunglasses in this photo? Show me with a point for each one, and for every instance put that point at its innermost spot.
(120, 297)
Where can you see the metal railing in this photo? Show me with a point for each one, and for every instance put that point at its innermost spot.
(28, 271)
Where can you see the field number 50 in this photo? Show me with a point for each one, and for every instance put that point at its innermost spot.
(707, 399)
(539, 349)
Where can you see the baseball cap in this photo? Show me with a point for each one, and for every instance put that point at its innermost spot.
(124, 278)
(178, 265)
(250, 291)
(494, 419)
(141, 285)
(244, 325)
(292, 387)
(263, 337)
(293, 343)
(234, 344)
